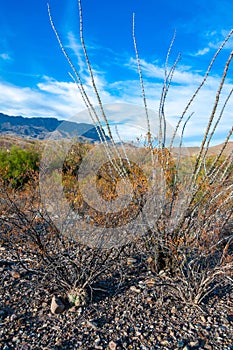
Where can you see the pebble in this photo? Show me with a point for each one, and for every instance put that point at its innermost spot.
(15, 274)
(150, 283)
(164, 342)
(57, 306)
(203, 319)
(173, 310)
(97, 340)
(194, 343)
(135, 289)
(125, 318)
(13, 317)
(112, 345)
(131, 261)
(91, 324)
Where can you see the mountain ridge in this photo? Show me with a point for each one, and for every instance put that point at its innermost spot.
(42, 128)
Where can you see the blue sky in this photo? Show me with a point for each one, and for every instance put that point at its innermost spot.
(34, 77)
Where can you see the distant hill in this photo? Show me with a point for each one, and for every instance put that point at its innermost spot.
(212, 151)
(44, 128)
(23, 131)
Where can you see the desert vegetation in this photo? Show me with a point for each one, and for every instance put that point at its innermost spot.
(187, 247)
(18, 165)
(190, 239)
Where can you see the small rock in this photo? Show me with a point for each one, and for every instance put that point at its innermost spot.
(203, 319)
(134, 289)
(91, 324)
(15, 339)
(77, 310)
(44, 305)
(57, 306)
(173, 310)
(194, 343)
(172, 333)
(13, 317)
(151, 282)
(191, 326)
(112, 345)
(149, 300)
(97, 340)
(58, 342)
(131, 261)
(164, 342)
(15, 274)
(143, 347)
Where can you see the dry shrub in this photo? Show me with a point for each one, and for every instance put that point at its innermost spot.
(189, 244)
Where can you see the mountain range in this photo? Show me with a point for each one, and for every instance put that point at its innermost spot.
(19, 129)
(41, 128)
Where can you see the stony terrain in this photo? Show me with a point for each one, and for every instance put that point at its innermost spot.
(134, 314)
(127, 308)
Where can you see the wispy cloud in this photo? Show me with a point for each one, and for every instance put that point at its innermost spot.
(182, 75)
(50, 98)
(216, 38)
(5, 56)
(150, 70)
(62, 100)
(201, 52)
(75, 46)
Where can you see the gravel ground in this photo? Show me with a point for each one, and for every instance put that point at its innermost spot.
(131, 315)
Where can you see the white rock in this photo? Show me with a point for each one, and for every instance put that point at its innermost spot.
(134, 289)
(112, 345)
(57, 306)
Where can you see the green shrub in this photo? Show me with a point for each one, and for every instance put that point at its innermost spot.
(17, 165)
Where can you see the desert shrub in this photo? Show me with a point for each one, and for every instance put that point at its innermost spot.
(188, 245)
(74, 158)
(63, 265)
(17, 165)
(186, 239)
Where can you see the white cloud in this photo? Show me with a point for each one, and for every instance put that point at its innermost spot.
(62, 100)
(5, 56)
(149, 69)
(50, 98)
(201, 52)
(182, 75)
(216, 38)
(31, 102)
(186, 83)
(75, 46)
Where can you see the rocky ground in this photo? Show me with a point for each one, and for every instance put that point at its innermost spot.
(133, 315)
